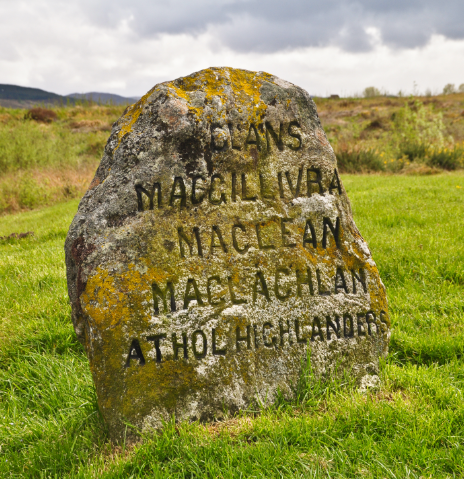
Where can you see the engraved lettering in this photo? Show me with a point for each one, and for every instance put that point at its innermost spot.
(383, 321)
(195, 200)
(299, 340)
(270, 132)
(258, 227)
(348, 333)
(204, 344)
(183, 238)
(281, 185)
(159, 293)
(216, 233)
(361, 327)
(216, 350)
(157, 339)
(210, 295)
(285, 331)
(234, 187)
(135, 352)
(294, 134)
(139, 189)
(309, 230)
(273, 340)
(316, 330)
(320, 287)
(255, 335)
(335, 183)
(222, 197)
(182, 196)
(295, 191)
(314, 181)
(233, 297)
(239, 338)
(234, 239)
(285, 232)
(335, 327)
(327, 224)
(301, 280)
(260, 281)
(371, 320)
(279, 295)
(196, 296)
(361, 278)
(176, 346)
(253, 137)
(340, 282)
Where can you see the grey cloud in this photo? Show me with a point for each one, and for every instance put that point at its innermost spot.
(270, 26)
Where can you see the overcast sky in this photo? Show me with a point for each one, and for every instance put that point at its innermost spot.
(327, 47)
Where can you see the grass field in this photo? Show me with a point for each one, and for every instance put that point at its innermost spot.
(412, 426)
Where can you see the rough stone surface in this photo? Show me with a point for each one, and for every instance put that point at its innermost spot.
(215, 250)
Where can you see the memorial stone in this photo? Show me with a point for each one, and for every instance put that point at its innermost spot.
(215, 251)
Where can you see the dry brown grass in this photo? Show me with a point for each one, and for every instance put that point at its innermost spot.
(22, 191)
(42, 115)
(358, 110)
(421, 170)
(89, 126)
(232, 427)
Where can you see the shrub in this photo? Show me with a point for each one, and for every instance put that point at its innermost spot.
(413, 151)
(42, 115)
(447, 158)
(371, 92)
(414, 128)
(461, 87)
(359, 161)
(448, 89)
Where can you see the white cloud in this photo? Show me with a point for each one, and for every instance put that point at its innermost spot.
(62, 47)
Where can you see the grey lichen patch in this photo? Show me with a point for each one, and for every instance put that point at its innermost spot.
(214, 250)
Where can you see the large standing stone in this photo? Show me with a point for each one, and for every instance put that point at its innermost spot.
(213, 249)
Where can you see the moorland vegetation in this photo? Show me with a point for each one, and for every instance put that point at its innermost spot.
(49, 155)
(414, 135)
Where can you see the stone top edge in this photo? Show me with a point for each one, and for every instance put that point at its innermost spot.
(214, 79)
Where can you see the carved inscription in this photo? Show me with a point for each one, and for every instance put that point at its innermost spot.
(262, 136)
(239, 237)
(223, 189)
(203, 342)
(282, 285)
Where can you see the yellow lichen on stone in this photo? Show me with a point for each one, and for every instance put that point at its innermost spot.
(215, 81)
(130, 116)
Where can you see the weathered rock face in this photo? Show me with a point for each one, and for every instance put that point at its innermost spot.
(214, 250)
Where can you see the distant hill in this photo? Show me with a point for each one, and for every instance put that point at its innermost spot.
(104, 98)
(14, 96)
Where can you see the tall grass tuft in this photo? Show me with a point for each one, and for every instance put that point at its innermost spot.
(446, 158)
(359, 161)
